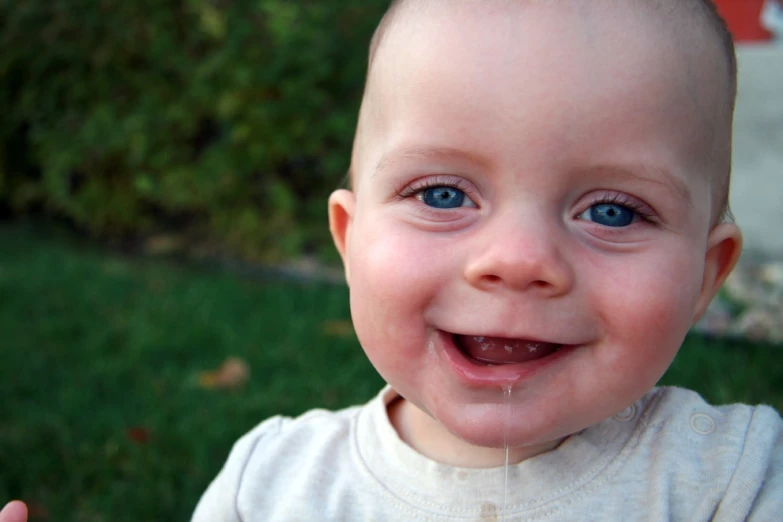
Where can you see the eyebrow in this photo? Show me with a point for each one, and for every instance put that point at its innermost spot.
(648, 174)
(430, 153)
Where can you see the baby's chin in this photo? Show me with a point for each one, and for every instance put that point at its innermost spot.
(480, 433)
(495, 434)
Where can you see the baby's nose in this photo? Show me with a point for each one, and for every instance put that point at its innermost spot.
(521, 255)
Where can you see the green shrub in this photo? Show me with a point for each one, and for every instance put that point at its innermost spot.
(231, 117)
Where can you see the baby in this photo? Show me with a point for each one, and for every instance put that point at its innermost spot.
(537, 217)
(538, 204)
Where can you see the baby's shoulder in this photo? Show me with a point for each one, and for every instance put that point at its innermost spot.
(671, 412)
(280, 466)
(733, 453)
(285, 438)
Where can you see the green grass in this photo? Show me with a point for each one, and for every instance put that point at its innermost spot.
(94, 346)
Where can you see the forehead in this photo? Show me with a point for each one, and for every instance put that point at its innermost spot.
(529, 69)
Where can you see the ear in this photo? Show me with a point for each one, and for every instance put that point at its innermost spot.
(342, 204)
(724, 246)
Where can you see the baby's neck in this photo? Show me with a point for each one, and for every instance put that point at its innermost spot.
(427, 436)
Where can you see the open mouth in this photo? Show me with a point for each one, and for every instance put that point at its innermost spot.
(484, 350)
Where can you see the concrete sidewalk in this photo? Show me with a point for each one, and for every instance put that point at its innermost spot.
(757, 182)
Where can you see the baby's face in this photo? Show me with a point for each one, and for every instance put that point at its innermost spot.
(532, 210)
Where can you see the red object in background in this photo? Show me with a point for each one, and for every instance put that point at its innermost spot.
(744, 19)
(138, 434)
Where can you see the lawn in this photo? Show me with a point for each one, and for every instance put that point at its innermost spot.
(103, 416)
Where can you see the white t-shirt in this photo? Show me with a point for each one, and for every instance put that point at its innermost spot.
(670, 457)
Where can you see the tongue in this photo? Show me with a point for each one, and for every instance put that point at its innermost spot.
(496, 350)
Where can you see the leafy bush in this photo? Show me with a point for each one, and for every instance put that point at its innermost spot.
(231, 117)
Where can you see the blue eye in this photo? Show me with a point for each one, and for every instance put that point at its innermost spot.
(610, 215)
(443, 197)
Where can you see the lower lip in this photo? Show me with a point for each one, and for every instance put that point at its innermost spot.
(502, 375)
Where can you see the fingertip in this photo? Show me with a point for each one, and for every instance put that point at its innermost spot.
(14, 511)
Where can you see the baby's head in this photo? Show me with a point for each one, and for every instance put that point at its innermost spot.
(538, 192)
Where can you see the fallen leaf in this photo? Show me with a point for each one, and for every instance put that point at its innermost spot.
(137, 434)
(36, 512)
(337, 328)
(233, 373)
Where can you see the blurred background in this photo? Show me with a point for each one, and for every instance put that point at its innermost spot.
(166, 276)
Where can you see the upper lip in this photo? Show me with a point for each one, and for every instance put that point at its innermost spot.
(526, 338)
(515, 337)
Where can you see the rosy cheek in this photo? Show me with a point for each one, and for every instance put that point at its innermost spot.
(396, 258)
(384, 265)
(381, 276)
(649, 310)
